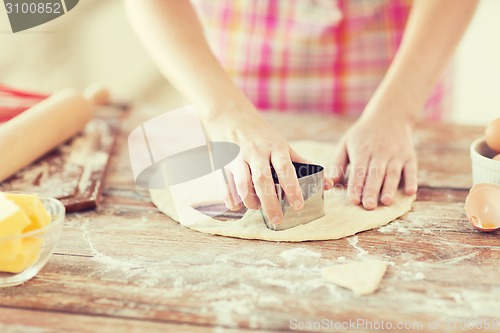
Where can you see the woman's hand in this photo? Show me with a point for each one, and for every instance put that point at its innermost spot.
(250, 181)
(380, 152)
(379, 146)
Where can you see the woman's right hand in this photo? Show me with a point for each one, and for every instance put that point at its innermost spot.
(172, 33)
(261, 146)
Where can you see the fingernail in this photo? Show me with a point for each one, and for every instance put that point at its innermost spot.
(276, 220)
(370, 203)
(386, 199)
(236, 207)
(297, 204)
(411, 190)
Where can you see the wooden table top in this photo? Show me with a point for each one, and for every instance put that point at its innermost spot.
(128, 268)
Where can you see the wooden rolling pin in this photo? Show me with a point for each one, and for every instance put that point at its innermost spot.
(40, 129)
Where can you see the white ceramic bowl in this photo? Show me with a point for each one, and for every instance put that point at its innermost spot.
(49, 236)
(484, 168)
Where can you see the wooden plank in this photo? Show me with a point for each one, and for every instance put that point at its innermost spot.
(23, 320)
(144, 266)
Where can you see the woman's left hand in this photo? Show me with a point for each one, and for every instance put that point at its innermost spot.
(380, 151)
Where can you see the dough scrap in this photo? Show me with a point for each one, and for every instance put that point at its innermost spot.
(341, 219)
(362, 277)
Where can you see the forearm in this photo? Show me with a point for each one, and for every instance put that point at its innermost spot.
(433, 31)
(173, 36)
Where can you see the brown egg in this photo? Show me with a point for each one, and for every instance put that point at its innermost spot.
(497, 158)
(482, 207)
(493, 135)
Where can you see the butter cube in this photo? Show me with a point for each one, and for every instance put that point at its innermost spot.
(26, 256)
(12, 223)
(33, 207)
(9, 249)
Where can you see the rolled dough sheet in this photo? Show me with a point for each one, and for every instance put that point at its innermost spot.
(362, 277)
(341, 219)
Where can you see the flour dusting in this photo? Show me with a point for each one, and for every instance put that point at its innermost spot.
(353, 241)
(411, 276)
(299, 252)
(393, 227)
(265, 262)
(459, 259)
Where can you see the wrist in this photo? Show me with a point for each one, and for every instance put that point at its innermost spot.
(399, 104)
(229, 104)
(391, 112)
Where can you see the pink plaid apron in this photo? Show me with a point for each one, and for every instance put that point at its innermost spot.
(323, 56)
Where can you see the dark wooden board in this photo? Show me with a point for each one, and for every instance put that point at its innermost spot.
(75, 171)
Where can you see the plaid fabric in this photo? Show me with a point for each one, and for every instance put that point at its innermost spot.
(323, 56)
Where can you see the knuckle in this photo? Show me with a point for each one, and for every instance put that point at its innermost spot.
(292, 191)
(363, 147)
(411, 167)
(375, 171)
(279, 145)
(243, 183)
(260, 173)
(252, 145)
(356, 190)
(393, 173)
(282, 165)
(259, 177)
(359, 171)
(252, 201)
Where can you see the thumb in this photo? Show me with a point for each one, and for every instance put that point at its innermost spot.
(341, 160)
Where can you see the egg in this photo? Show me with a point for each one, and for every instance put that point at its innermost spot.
(493, 135)
(482, 207)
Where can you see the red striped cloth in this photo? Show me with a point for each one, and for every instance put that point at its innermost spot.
(14, 101)
(322, 56)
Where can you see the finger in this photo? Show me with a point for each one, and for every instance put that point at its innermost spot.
(373, 183)
(298, 158)
(357, 180)
(391, 182)
(328, 183)
(231, 198)
(245, 188)
(288, 179)
(411, 177)
(264, 187)
(341, 160)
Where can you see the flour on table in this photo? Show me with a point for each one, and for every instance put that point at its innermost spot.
(353, 241)
(300, 252)
(341, 219)
(393, 227)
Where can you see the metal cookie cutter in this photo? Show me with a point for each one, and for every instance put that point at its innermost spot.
(310, 178)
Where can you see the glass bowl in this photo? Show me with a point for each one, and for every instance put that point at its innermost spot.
(44, 239)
